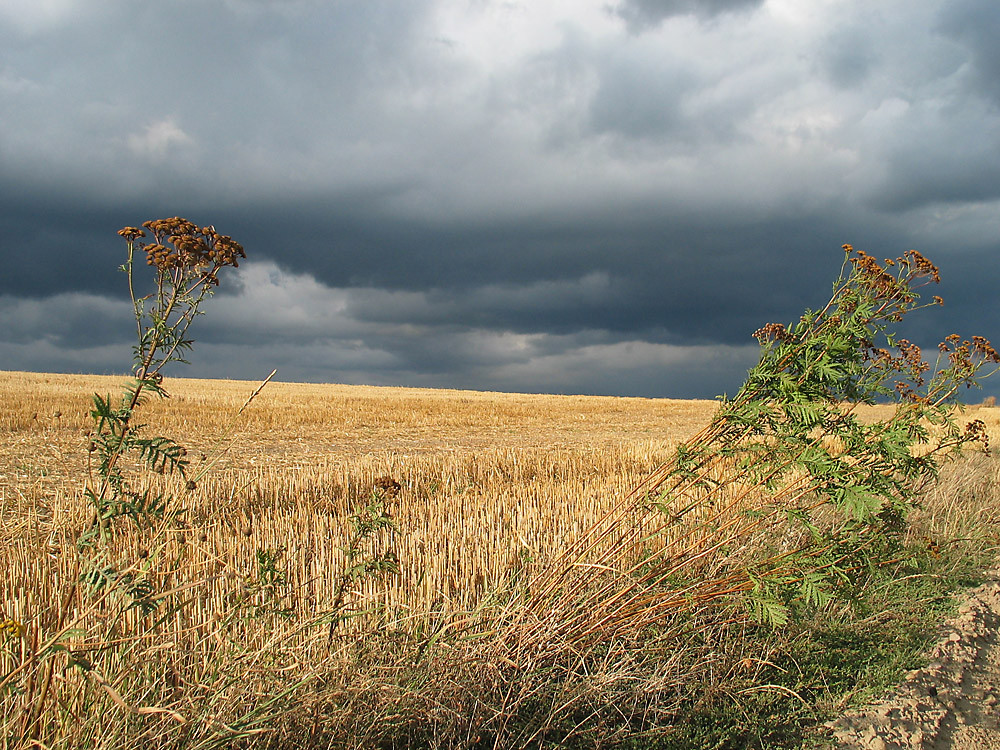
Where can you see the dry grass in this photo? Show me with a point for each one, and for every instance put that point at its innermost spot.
(487, 479)
(490, 484)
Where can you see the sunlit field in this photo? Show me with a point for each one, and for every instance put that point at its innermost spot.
(484, 478)
(478, 490)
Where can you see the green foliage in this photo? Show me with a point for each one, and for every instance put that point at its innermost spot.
(185, 276)
(801, 675)
(364, 554)
(267, 592)
(794, 433)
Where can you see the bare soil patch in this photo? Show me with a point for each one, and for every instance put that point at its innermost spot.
(953, 703)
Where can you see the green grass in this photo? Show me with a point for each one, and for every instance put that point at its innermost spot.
(837, 657)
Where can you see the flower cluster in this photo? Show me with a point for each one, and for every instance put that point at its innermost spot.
(772, 332)
(869, 269)
(387, 487)
(983, 347)
(921, 266)
(179, 244)
(913, 265)
(960, 351)
(907, 392)
(911, 355)
(976, 431)
(967, 356)
(130, 233)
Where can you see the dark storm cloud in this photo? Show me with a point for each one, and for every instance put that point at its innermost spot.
(643, 14)
(976, 25)
(639, 99)
(183, 102)
(64, 320)
(512, 195)
(426, 338)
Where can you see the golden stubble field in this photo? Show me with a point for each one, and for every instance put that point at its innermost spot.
(489, 485)
(487, 480)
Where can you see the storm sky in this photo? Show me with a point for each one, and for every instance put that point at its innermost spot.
(566, 196)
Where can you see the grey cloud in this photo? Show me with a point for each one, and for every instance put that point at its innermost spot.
(643, 14)
(295, 307)
(500, 210)
(187, 100)
(312, 334)
(70, 320)
(976, 25)
(629, 367)
(44, 356)
(941, 152)
(642, 99)
(276, 319)
(492, 304)
(848, 56)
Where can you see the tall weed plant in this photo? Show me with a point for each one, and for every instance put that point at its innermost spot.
(789, 495)
(98, 668)
(186, 260)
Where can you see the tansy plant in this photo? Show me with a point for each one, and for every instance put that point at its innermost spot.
(791, 493)
(187, 260)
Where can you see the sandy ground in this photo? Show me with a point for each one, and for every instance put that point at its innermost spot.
(951, 704)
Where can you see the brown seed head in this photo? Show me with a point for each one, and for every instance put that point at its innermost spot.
(983, 347)
(922, 266)
(387, 486)
(771, 332)
(181, 245)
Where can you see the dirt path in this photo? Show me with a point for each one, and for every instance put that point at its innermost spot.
(952, 703)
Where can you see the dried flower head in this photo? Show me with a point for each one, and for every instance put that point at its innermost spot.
(131, 233)
(771, 332)
(387, 487)
(984, 348)
(871, 271)
(180, 245)
(922, 266)
(976, 431)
